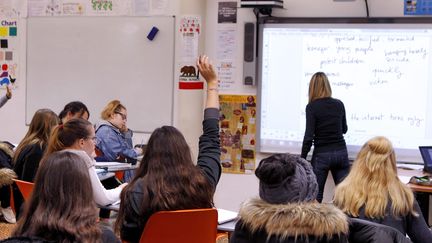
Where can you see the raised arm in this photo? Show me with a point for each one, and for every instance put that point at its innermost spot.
(209, 143)
(209, 74)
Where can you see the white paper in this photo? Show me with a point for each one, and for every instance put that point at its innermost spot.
(141, 7)
(410, 166)
(226, 215)
(226, 42)
(158, 7)
(404, 179)
(111, 164)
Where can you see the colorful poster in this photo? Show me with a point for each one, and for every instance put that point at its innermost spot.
(237, 133)
(9, 46)
(189, 29)
(418, 7)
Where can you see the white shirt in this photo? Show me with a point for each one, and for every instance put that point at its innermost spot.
(101, 195)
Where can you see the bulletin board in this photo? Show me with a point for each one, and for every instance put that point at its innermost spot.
(98, 59)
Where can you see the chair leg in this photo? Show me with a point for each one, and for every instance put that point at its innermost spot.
(12, 203)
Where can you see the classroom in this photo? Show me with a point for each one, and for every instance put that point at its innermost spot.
(167, 91)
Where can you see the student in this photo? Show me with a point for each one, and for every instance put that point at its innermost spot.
(30, 150)
(78, 136)
(6, 154)
(6, 97)
(373, 191)
(6, 176)
(286, 210)
(61, 207)
(167, 178)
(325, 126)
(113, 143)
(74, 109)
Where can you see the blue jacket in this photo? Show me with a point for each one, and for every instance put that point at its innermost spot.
(114, 145)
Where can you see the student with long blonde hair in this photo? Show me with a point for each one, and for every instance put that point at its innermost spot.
(325, 126)
(373, 191)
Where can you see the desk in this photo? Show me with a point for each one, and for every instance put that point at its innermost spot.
(227, 226)
(422, 193)
(105, 175)
(116, 166)
(414, 187)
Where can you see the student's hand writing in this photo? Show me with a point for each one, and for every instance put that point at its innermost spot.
(207, 71)
(8, 92)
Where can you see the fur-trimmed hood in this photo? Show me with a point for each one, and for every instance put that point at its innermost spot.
(7, 149)
(294, 219)
(6, 176)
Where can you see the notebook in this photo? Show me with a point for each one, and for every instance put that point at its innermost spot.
(226, 215)
(426, 153)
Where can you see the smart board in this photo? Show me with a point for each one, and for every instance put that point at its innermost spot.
(379, 68)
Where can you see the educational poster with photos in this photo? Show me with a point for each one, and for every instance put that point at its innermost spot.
(237, 133)
(97, 7)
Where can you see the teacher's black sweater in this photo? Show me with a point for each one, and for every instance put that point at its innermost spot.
(325, 126)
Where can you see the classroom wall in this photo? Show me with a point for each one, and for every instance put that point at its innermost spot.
(236, 188)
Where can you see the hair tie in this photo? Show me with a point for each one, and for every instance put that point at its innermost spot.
(60, 126)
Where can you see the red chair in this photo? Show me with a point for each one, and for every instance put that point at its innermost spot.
(25, 188)
(181, 226)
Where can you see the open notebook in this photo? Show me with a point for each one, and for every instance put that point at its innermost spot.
(226, 215)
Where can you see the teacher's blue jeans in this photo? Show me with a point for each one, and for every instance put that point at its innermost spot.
(335, 161)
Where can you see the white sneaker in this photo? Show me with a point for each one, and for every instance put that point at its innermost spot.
(8, 215)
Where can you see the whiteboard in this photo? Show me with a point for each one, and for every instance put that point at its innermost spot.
(98, 59)
(380, 71)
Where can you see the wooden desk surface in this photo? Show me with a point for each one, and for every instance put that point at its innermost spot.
(414, 187)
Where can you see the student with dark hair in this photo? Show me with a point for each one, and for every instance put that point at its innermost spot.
(167, 178)
(325, 126)
(286, 210)
(30, 150)
(74, 109)
(61, 207)
(78, 136)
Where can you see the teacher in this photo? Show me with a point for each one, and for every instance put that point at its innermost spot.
(325, 126)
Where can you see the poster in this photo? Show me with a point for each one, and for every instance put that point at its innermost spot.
(189, 29)
(417, 7)
(9, 57)
(237, 133)
(80, 7)
(227, 12)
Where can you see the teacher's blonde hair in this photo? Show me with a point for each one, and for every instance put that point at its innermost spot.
(373, 183)
(319, 87)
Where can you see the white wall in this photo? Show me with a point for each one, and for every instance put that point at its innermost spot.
(235, 188)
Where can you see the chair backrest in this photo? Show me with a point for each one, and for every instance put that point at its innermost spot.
(25, 188)
(181, 226)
